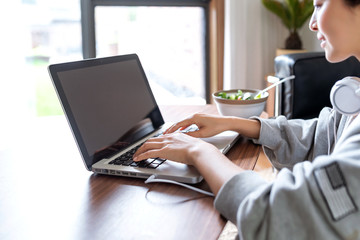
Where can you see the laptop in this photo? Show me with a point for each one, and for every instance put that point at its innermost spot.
(111, 110)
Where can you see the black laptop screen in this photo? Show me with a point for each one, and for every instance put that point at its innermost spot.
(109, 105)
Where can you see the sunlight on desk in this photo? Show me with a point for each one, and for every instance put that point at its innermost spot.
(46, 190)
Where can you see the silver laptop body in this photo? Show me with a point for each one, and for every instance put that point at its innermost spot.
(110, 109)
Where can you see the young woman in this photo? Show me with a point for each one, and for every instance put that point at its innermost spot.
(316, 195)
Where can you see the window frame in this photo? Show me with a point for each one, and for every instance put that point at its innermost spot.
(88, 25)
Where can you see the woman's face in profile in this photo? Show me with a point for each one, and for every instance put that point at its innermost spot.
(337, 27)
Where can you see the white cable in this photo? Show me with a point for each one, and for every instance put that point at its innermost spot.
(152, 179)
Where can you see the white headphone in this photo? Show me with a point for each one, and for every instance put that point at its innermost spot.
(345, 96)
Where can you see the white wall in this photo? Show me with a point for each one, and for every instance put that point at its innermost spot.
(252, 35)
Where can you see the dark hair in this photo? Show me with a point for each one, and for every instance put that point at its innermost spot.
(352, 3)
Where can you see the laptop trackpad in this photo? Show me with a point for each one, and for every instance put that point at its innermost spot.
(178, 172)
(223, 141)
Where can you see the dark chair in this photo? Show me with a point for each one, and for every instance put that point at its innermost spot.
(305, 96)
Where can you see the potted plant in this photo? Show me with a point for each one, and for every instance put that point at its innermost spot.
(293, 14)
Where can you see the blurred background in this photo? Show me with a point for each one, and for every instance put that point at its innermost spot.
(170, 41)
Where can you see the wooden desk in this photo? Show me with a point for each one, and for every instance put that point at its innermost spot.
(46, 192)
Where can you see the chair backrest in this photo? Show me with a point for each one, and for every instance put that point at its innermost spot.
(305, 96)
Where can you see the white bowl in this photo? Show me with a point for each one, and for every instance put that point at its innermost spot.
(240, 108)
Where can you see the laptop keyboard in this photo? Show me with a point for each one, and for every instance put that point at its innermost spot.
(127, 160)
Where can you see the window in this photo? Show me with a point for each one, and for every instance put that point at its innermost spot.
(47, 32)
(170, 37)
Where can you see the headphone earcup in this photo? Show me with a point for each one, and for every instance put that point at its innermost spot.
(345, 96)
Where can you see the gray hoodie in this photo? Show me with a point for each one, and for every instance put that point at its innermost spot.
(316, 195)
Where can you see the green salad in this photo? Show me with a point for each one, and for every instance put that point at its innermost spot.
(240, 95)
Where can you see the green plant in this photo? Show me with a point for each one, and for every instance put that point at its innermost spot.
(293, 14)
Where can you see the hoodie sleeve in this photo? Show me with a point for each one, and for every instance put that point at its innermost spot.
(287, 142)
(316, 200)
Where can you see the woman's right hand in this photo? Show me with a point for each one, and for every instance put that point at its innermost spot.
(209, 125)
